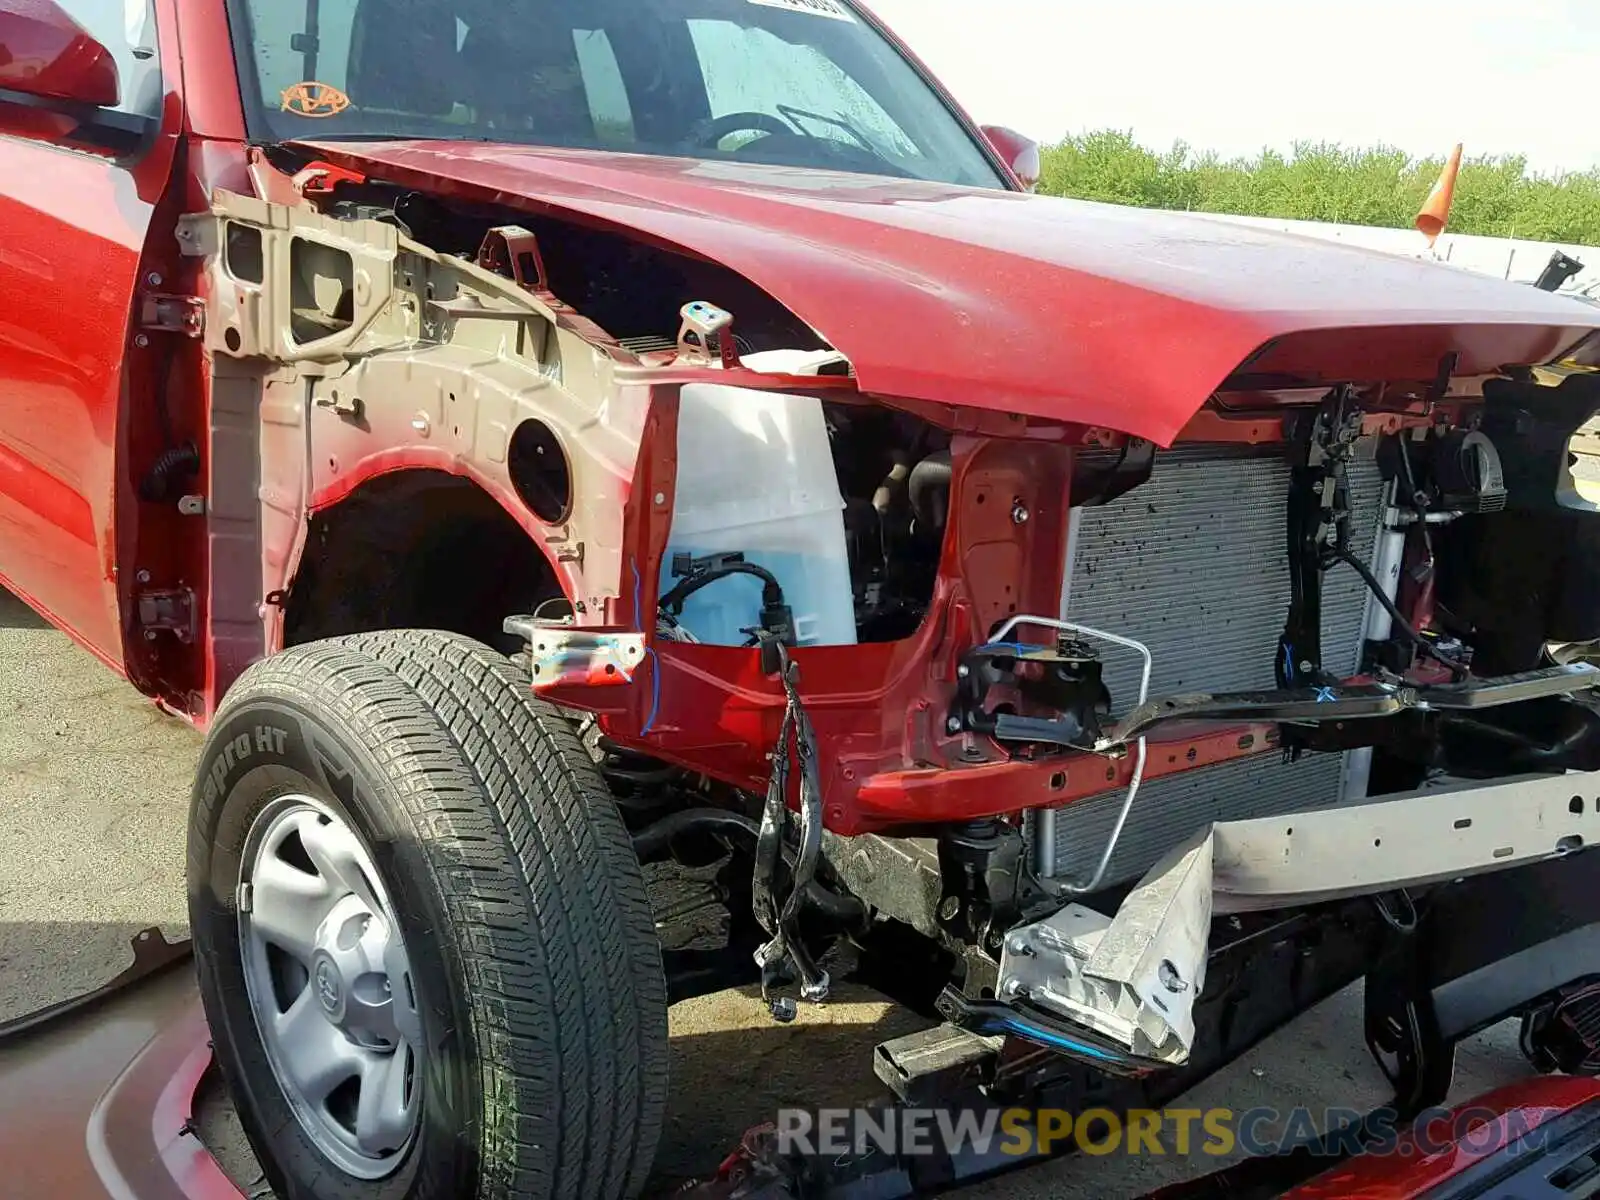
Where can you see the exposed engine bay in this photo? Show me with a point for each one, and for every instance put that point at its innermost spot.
(1025, 703)
(1357, 670)
(842, 528)
(894, 474)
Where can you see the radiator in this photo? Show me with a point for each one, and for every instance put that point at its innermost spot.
(1193, 565)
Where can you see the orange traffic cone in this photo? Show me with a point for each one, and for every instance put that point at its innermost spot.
(1435, 214)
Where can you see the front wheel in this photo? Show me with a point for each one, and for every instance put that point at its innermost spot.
(424, 944)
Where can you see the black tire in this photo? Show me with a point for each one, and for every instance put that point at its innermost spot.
(522, 906)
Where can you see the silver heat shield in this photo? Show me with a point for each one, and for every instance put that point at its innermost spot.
(1193, 564)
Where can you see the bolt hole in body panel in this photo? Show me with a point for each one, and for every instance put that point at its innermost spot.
(540, 472)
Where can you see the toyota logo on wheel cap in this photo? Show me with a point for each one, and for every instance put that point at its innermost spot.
(330, 994)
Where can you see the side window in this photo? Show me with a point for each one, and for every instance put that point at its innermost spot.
(127, 28)
(608, 94)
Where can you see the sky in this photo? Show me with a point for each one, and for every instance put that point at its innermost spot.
(1502, 76)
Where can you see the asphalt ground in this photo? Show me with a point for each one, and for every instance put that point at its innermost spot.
(94, 792)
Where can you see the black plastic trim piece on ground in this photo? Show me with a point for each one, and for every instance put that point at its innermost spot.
(152, 955)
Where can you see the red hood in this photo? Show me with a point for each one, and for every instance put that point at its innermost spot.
(1092, 313)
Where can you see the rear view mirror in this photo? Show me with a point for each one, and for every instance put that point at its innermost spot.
(1021, 154)
(45, 53)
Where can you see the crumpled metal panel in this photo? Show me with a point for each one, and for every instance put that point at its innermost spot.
(1193, 565)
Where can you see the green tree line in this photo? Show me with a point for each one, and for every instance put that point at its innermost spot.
(1320, 181)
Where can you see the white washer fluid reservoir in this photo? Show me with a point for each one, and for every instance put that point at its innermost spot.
(756, 477)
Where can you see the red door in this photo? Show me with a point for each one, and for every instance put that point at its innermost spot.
(77, 195)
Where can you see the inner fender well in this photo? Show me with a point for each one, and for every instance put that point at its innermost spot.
(416, 549)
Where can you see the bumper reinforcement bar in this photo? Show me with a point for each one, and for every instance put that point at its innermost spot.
(1133, 978)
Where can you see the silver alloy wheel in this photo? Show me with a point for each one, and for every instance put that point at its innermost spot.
(330, 985)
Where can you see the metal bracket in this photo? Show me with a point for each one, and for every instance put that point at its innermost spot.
(169, 609)
(1133, 979)
(320, 179)
(701, 322)
(513, 248)
(345, 403)
(1318, 522)
(561, 655)
(1063, 678)
(922, 1068)
(1063, 887)
(161, 312)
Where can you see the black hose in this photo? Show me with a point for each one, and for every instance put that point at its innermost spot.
(642, 777)
(1414, 495)
(652, 840)
(180, 462)
(1456, 668)
(846, 910)
(929, 477)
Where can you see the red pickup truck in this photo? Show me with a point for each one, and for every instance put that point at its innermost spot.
(544, 442)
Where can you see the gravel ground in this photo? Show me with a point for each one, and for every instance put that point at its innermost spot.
(94, 783)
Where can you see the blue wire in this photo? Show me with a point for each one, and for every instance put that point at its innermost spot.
(1025, 1028)
(655, 691)
(1018, 648)
(650, 653)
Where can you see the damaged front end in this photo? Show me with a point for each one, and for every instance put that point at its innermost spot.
(1031, 694)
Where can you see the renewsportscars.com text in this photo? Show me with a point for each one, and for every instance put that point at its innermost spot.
(1214, 1132)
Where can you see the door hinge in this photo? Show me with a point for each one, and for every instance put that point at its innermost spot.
(164, 313)
(166, 609)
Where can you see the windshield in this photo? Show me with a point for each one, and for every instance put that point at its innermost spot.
(804, 83)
